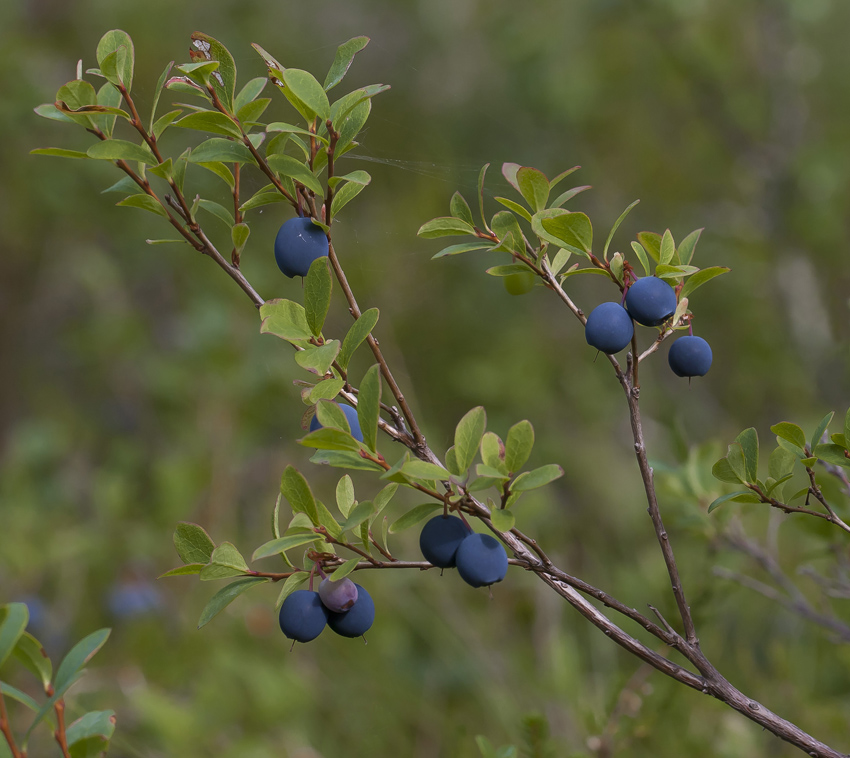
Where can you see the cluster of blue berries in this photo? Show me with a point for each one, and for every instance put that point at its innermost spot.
(649, 301)
(343, 606)
(447, 542)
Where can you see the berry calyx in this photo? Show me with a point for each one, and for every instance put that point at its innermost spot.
(609, 328)
(298, 243)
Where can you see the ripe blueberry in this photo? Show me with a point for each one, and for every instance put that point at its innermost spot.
(440, 539)
(651, 301)
(520, 283)
(609, 328)
(303, 616)
(298, 243)
(690, 356)
(338, 596)
(481, 560)
(358, 619)
(353, 422)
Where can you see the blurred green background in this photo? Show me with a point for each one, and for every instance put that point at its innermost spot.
(138, 392)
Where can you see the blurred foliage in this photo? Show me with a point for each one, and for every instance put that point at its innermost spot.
(138, 391)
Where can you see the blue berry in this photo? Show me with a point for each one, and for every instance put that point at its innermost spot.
(440, 539)
(353, 422)
(358, 619)
(298, 243)
(651, 301)
(690, 356)
(481, 560)
(303, 616)
(609, 328)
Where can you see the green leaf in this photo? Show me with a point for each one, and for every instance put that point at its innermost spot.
(565, 197)
(226, 86)
(414, 516)
(502, 520)
(59, 152)
(217, 210)
(13, 692)
(361, 513)
(515, 207)
(350, 125)
(210, 121)
(416, 469)
(226, 560)
(225, 596)
(674, 273)
(667, 251)
(317, 294)
(560, 260)
(641, 255)
(121, 150)
(725, 473)
(306, 94)
(749, 442)
(93, 725)
(345, 195)
(163, 122)
(329, 438)
(781, 463)
(344, 459)
(847, 427)
(112, 42)
(239, 236)
(318, 359)
(459, 208)
(468, 434)
(369, 406)
(518, 445)
(290, 585)
(145, 203)
(188, 570)
(50, 111)
(615, 227)
(327, 389)
(251, 113)
(462, 248)
(488, 472)
(342, 60)
(509, 270)
(833, 454)
(345, 569)
(30, 653)
(821, 428)
(486, 482)
(295, 169)
(724, 498)
(790, 447)
(533, 186)
(700, 278)
(539, 477)
(285, 319)
(193, 543)
(446, 226)
(345, 495)
(493, 452)
(250, 92)
(357, 334)
(294, 487)
(15, 617)
(505, 223)
(572, 229)
(217, 149)
(78, 657)
(688, 245)
(737, 461)
(651, 242)
(164, 170)
(481, 174)
(263, 197)
(163, 77)
(791, 432)
(282, 544)
(357, 177)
